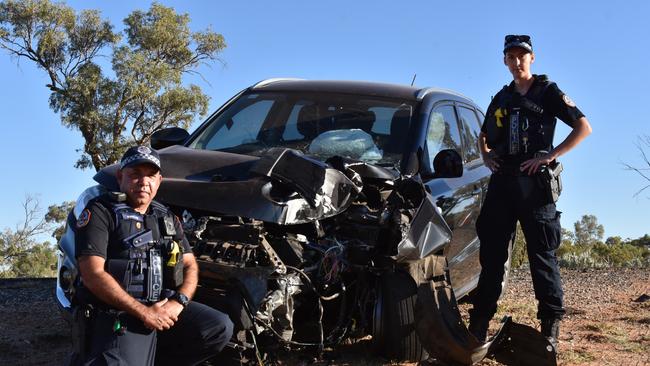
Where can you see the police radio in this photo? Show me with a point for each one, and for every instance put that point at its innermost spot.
(140, 273)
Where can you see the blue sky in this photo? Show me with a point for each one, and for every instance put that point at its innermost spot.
(597, 52)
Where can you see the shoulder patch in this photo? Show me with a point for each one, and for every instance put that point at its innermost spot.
(83, 219)
(568, 101)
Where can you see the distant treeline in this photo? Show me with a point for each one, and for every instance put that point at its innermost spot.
(584, 247)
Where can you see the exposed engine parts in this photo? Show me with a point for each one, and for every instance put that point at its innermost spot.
(312, 284)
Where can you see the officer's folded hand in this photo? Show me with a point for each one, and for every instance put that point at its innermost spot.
(174, 308)
(158, 317)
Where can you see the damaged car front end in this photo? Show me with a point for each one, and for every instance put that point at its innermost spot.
(320, 211)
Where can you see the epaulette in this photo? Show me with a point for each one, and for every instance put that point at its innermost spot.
(113, 200)
(162, 209)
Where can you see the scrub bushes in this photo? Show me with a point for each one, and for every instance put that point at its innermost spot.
(600, 255)
(617, 253)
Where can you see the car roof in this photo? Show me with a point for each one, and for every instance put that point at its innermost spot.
(351, 87)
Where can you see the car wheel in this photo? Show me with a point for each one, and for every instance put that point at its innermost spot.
(394, 334)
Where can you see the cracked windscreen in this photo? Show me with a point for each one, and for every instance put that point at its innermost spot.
(321, 125)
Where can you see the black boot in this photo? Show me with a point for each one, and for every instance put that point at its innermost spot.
(478, 326)
(551, 330)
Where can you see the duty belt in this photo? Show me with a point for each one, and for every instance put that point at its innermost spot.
(510, 170)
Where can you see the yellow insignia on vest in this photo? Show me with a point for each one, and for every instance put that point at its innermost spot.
(500, 113)
(138, 225)
(83, 219)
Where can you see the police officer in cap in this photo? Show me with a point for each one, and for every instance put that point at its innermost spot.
(138, 276)
(516, 142)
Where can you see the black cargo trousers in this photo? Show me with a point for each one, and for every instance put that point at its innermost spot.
(200, 333)
(513, 197)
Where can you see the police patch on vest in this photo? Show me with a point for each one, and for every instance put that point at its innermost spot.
(568, 101)
(83, 219)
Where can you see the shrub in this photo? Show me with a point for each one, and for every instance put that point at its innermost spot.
(601, 255)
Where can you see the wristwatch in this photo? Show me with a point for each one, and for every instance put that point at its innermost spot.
(181, 298)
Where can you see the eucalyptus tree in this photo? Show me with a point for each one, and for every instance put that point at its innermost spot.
(116, 88)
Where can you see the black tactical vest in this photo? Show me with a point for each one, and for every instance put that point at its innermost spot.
(518, 127)
(138, 248)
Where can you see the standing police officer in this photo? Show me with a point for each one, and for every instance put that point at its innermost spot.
(138, 275)
(516, 142)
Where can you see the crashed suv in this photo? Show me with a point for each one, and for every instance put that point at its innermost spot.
(325, 210)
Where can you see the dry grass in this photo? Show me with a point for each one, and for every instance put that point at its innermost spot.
(603, 326)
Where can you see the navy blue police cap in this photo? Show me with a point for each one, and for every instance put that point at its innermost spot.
(140, 155)
(517, 40)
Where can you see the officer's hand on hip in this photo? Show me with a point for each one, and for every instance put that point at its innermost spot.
(491, 160)
(532, 166)
(158, 317)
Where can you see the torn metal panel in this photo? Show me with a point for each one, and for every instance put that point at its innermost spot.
(522, 345)
(319, 184)
(444, 335)
(277, 310)
(427, 234)
(441, 328)
(422, 229)
(364, 169)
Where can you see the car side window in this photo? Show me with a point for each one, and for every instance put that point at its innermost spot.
(241, 128)
(443, 131)
(471, 129)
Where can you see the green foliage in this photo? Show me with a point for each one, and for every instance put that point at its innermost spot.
(601, 255)
(57, 215)
(588, 251)
(40, 261)
(613, 240)
(577, 256)
(567, 236)
(622, 255)
(147, 92)
(21, 255)
(643, 241)
(584, 249)
(518, 254)
(588, 230)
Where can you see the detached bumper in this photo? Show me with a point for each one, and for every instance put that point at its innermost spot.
(445, 336)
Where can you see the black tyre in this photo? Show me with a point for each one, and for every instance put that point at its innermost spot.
(394, 334)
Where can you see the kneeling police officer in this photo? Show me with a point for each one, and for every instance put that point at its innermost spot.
(516, 142)
(138, 275)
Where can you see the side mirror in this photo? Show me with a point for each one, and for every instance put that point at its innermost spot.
(168, 137)
(447, 164)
